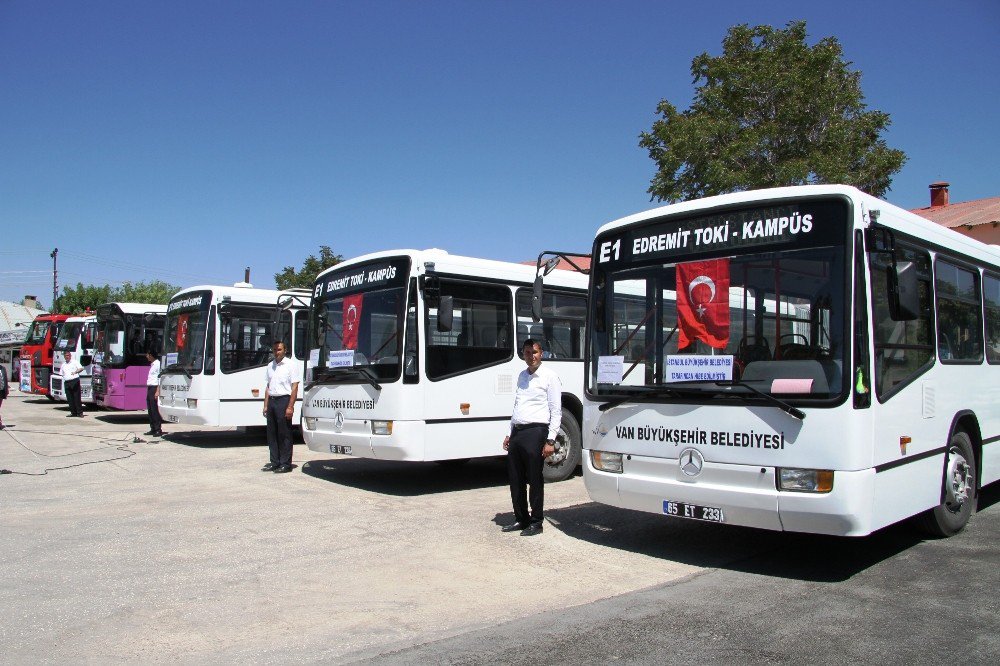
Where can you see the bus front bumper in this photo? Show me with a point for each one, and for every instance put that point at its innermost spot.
(357, 438)
(745, 495)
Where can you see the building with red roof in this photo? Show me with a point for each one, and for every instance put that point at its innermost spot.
(979, 219)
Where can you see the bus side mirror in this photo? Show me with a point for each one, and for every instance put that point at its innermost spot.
(904, 299)
(234, 332)
(319, 334)
(536, 299)
(86, 359)
(446, 314)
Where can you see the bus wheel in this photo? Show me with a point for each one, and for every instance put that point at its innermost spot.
(959, 490)
(569, 444)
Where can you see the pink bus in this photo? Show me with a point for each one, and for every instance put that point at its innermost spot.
(125, 332)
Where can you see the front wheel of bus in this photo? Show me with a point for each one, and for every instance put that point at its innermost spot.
(569, 442)
(951, 516)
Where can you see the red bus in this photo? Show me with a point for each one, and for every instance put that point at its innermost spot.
(36, 353)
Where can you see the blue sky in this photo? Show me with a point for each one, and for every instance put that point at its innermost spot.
(184, 141)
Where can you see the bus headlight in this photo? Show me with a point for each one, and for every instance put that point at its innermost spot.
(606, 461)
(381, 427)
(805, 480)
(310, 422)
(192, 403)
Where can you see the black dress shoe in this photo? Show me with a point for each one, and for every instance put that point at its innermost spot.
(269, 467)
(149, 432)
(283, 469)
(513, 527)
(158, 433)
(532, 529)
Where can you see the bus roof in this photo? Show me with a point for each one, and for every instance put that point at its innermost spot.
(83, 318)
(443, 262)
(242, 294)
(136, 308)
(890, 215)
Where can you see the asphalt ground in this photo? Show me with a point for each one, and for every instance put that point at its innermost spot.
(182, 550)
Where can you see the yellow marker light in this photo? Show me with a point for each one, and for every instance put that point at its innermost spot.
(192, 403)
(464, 407)
(606, 461)
(381, 427)
(805, 480)
(903, 441)
(310, 422)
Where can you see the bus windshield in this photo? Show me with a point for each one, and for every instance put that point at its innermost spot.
(68, 335)
(745, 301)
(36, 334)
(357, 319)
(187, 323)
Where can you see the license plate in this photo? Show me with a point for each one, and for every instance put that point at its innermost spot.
(343, 450)
(172, 418)
(693, 511)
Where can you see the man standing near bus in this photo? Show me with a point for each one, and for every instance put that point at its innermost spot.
(533, 427)
(71, 371)
(153, 395)
(4, 389)
(279, 405)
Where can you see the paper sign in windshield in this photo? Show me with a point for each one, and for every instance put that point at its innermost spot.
(343, 358)
(699, 368)
(610, 369)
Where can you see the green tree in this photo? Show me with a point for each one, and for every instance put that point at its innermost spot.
(74, 300)
(311, 267)
(145, 292)
(770, 111)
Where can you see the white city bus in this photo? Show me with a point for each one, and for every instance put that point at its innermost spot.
(216, 349)
(77, 335)
(415, 356)
(855, 383)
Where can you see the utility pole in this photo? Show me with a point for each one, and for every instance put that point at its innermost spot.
(55, 284)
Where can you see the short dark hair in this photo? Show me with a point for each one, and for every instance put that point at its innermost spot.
(531, 342)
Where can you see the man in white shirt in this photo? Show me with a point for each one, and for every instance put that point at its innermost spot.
(279, 405)
(533, 427)
(71, 371)
(153, 395)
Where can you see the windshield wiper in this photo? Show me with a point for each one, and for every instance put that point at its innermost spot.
(663, 392)
(173, 368)
(338, 375)
(777, 402)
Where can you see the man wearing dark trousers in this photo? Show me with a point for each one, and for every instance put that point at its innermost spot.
(4, 389)
(71, 371)
(533, 428)
(153, 395)
(279, 405)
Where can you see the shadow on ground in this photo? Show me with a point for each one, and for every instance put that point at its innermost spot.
(408, 479)
(778, 554)
(209, 439)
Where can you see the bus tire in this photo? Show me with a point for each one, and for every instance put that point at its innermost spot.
(571, 441)
(952, 515)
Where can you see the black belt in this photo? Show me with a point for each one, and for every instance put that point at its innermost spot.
(524, 426)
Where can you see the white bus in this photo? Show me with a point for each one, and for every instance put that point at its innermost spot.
(77, 335)
(857, 385)
(217, 346)
(415, 356)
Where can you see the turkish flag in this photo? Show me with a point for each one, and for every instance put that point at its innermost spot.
(703, 303)
(182, 331)
(352, 320)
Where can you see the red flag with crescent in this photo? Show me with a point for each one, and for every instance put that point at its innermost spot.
(703, 303)
(182, 331)
(352, 320)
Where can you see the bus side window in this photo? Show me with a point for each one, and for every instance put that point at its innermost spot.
(959, 313)
(480, 336)
(991, 296)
